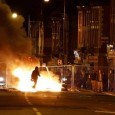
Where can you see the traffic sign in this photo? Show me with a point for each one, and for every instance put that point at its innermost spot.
(59, 62)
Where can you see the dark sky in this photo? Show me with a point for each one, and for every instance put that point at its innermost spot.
(53, 8)
(25, 7)
(32, 8)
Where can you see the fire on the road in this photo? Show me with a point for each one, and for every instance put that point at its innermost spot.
(47, 81)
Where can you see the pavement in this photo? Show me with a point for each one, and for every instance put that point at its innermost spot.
(92, 92)
(109, 93)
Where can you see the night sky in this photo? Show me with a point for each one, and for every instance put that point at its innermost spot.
(54, 8)
(32, 8)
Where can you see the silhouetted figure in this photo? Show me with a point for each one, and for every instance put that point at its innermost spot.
(111, 80)
(94, 78)
(105, 81)
(34, 76)
(100, 81)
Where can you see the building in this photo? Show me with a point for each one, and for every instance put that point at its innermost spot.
(111, 45)
(89, 26)
(93, 32)
(112, 21)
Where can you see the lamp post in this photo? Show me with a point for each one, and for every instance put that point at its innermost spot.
(65, 40)
(46, 0)
(64, 28)
(64, 34)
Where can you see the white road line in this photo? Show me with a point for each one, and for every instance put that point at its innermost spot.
(110, 112)
(38, 113)
(28, 101)
(35, 109)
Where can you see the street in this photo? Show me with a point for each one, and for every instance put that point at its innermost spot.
(13, 102)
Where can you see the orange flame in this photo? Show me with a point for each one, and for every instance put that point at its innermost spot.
(47, 81)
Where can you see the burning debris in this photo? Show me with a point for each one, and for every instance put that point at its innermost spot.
(44, 83)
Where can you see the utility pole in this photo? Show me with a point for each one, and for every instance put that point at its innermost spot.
(65, 36)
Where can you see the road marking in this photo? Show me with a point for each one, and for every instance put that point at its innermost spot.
(28, 101)
(110, 112)
(37, 112)
(34, 109)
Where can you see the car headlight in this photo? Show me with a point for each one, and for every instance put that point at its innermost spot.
(1, 79)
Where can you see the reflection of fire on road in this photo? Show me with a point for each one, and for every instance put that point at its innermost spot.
(47, 82)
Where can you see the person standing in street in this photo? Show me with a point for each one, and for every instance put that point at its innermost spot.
(111, 80)
(105, 81)
(34, 76)
(94, 80)
(100, 81)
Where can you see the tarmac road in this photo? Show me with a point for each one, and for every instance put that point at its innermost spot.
(14, 102)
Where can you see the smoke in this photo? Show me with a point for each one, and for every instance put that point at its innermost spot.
(13, 38)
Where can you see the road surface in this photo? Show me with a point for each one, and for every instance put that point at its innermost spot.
(13, 102)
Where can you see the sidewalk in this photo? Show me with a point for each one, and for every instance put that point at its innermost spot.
(92, 92)
(109, 93)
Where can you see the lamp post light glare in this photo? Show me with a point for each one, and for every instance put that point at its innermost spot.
(46, 0)
(14, 15)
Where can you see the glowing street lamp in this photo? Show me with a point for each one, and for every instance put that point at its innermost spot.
(14, 15)
(46, 0)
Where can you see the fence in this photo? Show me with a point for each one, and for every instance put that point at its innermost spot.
(78, 77)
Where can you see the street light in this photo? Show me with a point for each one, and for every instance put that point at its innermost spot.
(14, 15)
(42, 6)
(46, 0)
(65, 41)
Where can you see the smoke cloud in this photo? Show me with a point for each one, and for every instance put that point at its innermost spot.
(13, 37)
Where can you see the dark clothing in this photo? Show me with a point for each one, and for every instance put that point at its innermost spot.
(94, 76)
(111, 81)
(34, 76)
(105, 82)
